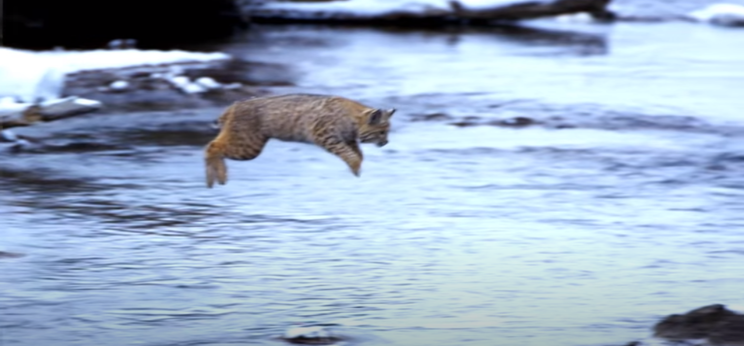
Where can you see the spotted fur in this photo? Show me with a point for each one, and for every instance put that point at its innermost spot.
(335, 123)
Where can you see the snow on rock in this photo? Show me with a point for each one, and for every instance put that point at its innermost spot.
(314, 335)
(208, 83)
(720, 14)
(75, 61)
(33, 76)
(8, 105)
(119, 85)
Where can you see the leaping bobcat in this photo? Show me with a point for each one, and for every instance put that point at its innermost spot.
(332, 122)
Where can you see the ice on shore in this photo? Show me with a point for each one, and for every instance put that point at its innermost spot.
(27, 76)
(720, 14)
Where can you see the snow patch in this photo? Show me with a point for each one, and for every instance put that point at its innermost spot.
(36, 76)
(720, 14)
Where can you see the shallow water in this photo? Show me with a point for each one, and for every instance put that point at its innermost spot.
(480, 235)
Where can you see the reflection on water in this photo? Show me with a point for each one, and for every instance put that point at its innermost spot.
(480, 235)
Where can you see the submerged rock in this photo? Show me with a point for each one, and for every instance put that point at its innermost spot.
(4, 254)
(311, 335)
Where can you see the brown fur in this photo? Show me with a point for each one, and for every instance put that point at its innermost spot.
(335, 123)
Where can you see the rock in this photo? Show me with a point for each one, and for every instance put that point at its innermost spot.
(310, 335)
(48, 111)
(424, 13)
(431, 117)
(172, 87)
(514, 122)
(67, 107)
(716, 323)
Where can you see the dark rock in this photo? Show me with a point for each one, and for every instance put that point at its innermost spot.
(149, 87)
(310, 335)
(44, 24)
(514, 122)
(713, 322)
(464, 123)
(431, 117)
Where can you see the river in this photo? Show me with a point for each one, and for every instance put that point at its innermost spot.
(624, 204)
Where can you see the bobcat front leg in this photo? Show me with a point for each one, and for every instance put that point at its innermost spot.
(347, 150)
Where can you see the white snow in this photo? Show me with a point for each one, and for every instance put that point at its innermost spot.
(8, 105)
(86, 102)
(720, 14)
(208, 83)
(119, 85)
(184, 84)
(231, 86)
(8, 135)
(29, 76)
(193, 88)
(380, 7)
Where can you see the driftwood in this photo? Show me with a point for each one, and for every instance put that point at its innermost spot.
(65, 108)
(531, 10)
(457, 13)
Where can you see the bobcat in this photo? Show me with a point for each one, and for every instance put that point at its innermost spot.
(332, 122)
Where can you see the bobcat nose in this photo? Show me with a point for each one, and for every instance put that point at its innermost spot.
(381, 143)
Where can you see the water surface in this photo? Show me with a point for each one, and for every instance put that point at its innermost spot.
(479, 235)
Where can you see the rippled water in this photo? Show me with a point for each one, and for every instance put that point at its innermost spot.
(481, 235)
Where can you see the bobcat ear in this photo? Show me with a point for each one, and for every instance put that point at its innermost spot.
(390, 112)
(375, 117)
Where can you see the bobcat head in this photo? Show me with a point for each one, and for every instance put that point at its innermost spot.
(375, 126)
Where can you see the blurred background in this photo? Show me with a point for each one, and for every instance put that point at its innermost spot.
(559, 173)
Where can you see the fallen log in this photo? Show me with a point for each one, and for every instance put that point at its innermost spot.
(429, 12)
(28, 114)
(534, 9)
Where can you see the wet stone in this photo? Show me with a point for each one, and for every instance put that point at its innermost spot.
(311, 335)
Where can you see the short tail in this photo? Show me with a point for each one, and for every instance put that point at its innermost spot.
(214, 158)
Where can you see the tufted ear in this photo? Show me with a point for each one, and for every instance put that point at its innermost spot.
(390, 112)
(375, 117)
